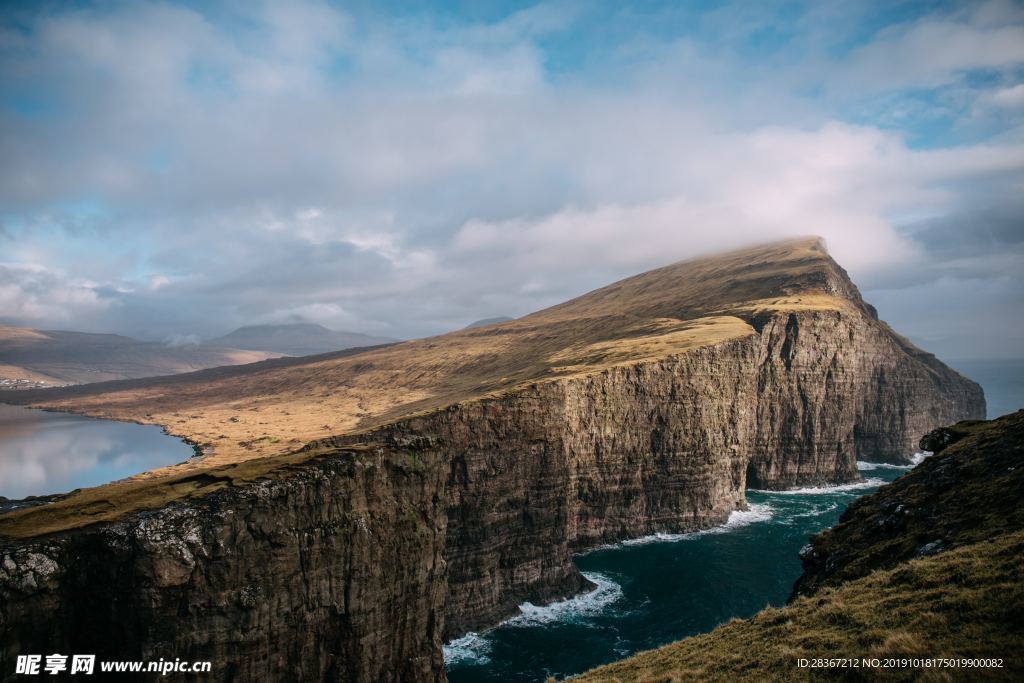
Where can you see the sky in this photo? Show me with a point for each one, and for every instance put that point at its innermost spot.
(174, 170)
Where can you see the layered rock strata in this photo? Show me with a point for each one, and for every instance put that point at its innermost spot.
(332, 572)
(926, 571)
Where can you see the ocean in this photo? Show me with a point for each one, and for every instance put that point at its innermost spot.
(655, 590)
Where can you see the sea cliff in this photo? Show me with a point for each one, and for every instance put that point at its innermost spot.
(468, 469)
(923, 577)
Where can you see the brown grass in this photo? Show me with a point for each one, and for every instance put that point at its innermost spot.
(275, 407)
(965, 602)
(108, 502)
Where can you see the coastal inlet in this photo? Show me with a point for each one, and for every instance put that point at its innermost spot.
(657, 589)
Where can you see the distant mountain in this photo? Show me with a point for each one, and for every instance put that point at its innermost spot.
(488, 321)
(31, 357)
(295, 339)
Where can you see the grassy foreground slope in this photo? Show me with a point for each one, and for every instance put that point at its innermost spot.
(944, 578)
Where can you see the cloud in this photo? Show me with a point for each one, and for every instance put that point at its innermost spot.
(34, 294)
(1009, 98)
(930, 54)
(182, 340)
(186, 169)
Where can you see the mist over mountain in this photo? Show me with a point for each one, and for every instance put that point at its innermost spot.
(488, 321)
(295, 339)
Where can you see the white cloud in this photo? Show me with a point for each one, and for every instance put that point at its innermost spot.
(33, 294)
(403, 177)
(1010, 98)
(933, 51)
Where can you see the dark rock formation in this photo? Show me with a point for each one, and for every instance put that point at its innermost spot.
(332, 573)
(927, 570)
(942, 438)
(970, 492)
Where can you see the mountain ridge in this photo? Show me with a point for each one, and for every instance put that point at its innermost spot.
(70, 357)
(295, 339)
(682, 306)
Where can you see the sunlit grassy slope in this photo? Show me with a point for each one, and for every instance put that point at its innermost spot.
(268, 410)
(883, 596)
(275, 407)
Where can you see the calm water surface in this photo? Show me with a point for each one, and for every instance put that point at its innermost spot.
(43, 453)
(1002, 380)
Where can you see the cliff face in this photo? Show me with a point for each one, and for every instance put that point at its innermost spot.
(648, 406)
(665, 446)
(334, 572)
(566, 465)
(837, 387)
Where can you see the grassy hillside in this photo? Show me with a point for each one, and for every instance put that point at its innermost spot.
(887, 593)
(274, 408)
(271, 409)
(295, 339)
(971, 491)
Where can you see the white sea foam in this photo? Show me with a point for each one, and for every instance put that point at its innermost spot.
(815, 511)
(919, 457)
(755, 512)
(472, 648)
(915, 460)
(838, 488)
(871, 466)
(577, 607)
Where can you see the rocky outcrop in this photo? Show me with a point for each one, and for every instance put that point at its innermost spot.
(836, 387)
(570, 464)
(666, 446)
(970, 492)
(352, 565)
(926, 571)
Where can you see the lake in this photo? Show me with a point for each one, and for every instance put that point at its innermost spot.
(43, 452)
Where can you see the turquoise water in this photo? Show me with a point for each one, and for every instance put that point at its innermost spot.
(656, 590)
(43, 453)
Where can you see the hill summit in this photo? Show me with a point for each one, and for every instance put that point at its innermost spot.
(749, 294)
